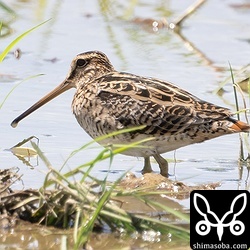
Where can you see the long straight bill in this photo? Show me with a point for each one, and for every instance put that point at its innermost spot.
(54, 93)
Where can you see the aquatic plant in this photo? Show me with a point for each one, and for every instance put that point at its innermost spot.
(86, 203)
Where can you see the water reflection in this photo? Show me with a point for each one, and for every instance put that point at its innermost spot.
(134, 47)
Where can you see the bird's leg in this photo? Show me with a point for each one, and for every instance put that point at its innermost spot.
(163, 164)
(147, 166)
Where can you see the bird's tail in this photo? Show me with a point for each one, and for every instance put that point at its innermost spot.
(239, 126)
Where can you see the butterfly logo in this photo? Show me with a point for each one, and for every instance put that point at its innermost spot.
(210, 219)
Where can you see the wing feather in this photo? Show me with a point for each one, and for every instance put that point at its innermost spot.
(160, 105)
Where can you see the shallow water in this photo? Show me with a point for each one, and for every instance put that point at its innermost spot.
(218, 31)
(131, 47)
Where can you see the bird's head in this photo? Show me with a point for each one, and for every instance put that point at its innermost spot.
(84, 68)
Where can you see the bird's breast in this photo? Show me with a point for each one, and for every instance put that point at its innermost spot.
(91, 114)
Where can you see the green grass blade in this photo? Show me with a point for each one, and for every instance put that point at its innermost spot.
(165, 224)
(19, 38)
(86, 228)
(7, 8)
(92, 207)
(105, 155)
(103, 137)
(235, 92)
(170, 210)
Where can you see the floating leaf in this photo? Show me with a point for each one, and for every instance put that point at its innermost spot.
(23, 151)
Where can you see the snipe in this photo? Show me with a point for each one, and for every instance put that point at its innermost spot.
(107, 100)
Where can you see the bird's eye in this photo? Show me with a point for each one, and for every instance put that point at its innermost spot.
(81, 62)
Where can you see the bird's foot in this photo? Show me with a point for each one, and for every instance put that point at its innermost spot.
(163, 164)
(147, 166)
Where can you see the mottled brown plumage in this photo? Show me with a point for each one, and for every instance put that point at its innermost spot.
(107, 100)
